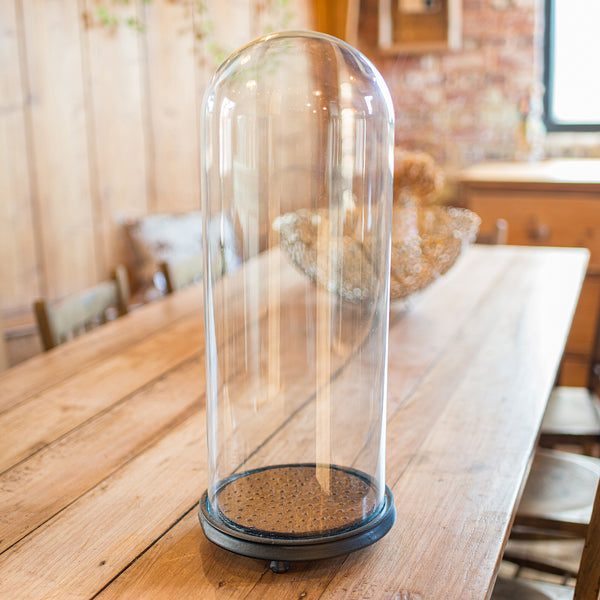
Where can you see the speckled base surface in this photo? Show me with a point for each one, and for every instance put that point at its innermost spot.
(297, 501)
(297, 512)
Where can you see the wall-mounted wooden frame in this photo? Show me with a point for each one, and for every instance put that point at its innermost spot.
(338, 18)
(410, 26)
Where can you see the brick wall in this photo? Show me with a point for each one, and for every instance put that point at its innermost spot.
(464, 106)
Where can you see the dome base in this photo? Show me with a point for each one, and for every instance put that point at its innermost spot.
(280, 548)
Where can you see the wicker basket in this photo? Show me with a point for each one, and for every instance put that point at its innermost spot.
(426, 242)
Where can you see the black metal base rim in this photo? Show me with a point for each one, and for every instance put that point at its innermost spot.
(289, 549)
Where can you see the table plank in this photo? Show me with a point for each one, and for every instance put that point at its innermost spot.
(88, 543)
(90, 453)
(472, 497)
(93, 390)
(420, 434)
(437, 317)
(48, 369)
(463, 382)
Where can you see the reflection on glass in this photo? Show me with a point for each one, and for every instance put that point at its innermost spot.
(298, 126)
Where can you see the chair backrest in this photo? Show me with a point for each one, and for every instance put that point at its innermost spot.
(183, 273)
(587, 586)
(60, 321)
(172, 237)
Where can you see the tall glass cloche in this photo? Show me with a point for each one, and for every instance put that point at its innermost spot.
(297, 139)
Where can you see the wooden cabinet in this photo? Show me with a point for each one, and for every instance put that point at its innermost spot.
(549, 203)
(407, 26)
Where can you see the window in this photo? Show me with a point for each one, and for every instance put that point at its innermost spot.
(571, 69)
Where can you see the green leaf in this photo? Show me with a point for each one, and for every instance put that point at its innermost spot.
(106, 17)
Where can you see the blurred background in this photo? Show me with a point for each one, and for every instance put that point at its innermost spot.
(99, 104)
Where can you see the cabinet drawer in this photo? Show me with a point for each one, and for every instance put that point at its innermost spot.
(583, 329)
(542, 218)
(573, 372)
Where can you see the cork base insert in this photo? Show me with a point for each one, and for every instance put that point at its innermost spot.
(297, 500)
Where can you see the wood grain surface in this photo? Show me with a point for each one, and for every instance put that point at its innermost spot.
(553, 202)
(103, 450)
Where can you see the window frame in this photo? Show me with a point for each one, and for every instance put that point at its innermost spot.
(549, 122)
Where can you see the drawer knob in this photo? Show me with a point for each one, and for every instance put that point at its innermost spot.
(538, 232)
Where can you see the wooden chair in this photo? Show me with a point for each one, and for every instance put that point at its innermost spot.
(557, 499)
(556, 505)
(587, 586)
(572, 416)
(61, 321)
(179, 275)
(558, 496)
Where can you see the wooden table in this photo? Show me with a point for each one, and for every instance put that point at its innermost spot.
(553, 202)
(103, 452)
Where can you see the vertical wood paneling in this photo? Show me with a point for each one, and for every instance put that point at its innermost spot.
(332, 17)
(3, 353)
(99, 123)
(221, 28)
(172, 105)
(60, 149)
(278, 15)
(112, 68)
(233, 25)
(18, 264)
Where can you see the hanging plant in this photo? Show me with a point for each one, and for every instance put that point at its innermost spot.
(106, 16)
(275, 14)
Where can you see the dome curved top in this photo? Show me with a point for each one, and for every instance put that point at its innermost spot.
(300, 71)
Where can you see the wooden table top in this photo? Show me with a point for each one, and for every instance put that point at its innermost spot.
(103, 447)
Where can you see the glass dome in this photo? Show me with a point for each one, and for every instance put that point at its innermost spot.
(297, 138)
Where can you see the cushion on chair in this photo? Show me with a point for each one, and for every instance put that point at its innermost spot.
(172, 237)
(512, 589)
(572, 410)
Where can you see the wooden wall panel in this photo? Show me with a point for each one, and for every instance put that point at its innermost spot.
(232, 24)
(113, 68)
(60, 145)
(100, 123)
(172, 106)
(4, 363)
(332, 17)
(18, 264)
